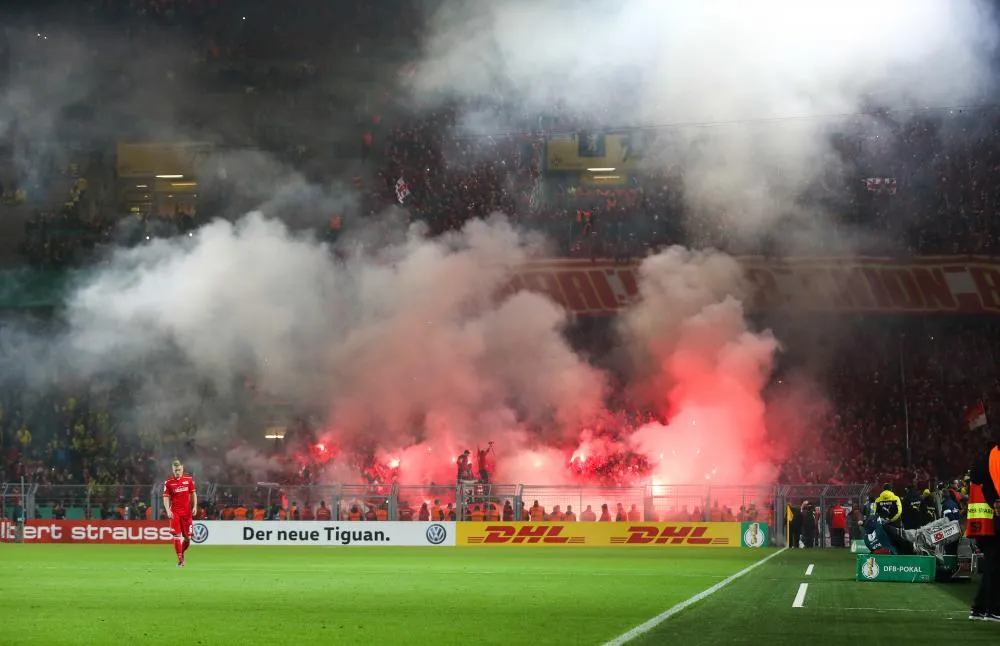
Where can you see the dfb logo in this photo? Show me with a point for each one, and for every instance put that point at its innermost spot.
(870, 569)
(753, 537)
(436, 534)
(199, 533)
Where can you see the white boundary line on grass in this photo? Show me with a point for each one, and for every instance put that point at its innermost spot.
(939, 612)
(800, 596)
(809, 570)
(670, 612)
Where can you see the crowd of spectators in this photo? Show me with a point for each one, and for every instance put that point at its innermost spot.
(896, 412)
(892, 412)
(930, 190)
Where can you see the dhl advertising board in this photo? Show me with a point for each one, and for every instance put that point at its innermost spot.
(575, 152)
(574, 534)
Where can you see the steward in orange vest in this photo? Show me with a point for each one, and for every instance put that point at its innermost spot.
(984, 506)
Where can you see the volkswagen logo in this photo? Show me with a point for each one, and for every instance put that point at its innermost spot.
(436, 534)
(199, 533)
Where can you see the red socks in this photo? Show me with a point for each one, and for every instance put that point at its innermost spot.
(187, 544)
(179, 548)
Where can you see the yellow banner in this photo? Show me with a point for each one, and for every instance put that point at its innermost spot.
(575, 534)
(616, 153)
(151, 159)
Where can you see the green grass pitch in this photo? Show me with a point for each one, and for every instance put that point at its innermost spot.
(73, 594)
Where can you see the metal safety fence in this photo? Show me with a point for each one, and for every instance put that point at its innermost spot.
(462, 501)
(817, 500)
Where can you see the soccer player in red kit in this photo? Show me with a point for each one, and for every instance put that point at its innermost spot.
(180, 499)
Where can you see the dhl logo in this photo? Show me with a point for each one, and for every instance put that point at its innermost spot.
(684, 535)
(527, 534)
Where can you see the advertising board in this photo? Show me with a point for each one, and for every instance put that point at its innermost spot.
(573, 534)
(899, 569)
(334, 534)
(120, 532)
(849, 285)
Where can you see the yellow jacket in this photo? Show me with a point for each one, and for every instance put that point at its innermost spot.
(889, 506)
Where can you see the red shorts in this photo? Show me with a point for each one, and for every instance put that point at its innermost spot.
(180, 524)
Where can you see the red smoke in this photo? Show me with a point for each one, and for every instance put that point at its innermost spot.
(695, 411)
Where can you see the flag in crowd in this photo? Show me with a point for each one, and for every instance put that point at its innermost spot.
(975, 416)
(402, 190)
(881, 185)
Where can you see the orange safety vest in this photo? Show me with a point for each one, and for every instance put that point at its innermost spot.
(979, 520)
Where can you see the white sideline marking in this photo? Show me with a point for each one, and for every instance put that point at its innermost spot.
(809, 570)
(670, 612)
(800, 596)
(937, 612)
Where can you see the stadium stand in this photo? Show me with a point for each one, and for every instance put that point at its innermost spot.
(941, 198)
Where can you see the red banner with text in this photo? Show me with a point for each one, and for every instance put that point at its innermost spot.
(122, 532)
(967, 285)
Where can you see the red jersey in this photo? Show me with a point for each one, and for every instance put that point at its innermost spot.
(179, 491)
(838, 517)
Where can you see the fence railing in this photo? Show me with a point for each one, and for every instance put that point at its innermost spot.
(463, 501)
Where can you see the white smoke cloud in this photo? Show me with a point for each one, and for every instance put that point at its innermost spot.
(738, 94)
(741, 98)
(404, 342)
(408, 349)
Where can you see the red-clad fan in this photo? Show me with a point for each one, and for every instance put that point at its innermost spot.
(179, 499)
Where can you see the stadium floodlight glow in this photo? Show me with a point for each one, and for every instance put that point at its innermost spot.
(183, 183)
(169, 177)
(274, 436)
(601, 170)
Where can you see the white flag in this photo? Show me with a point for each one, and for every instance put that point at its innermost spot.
(402, 190)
